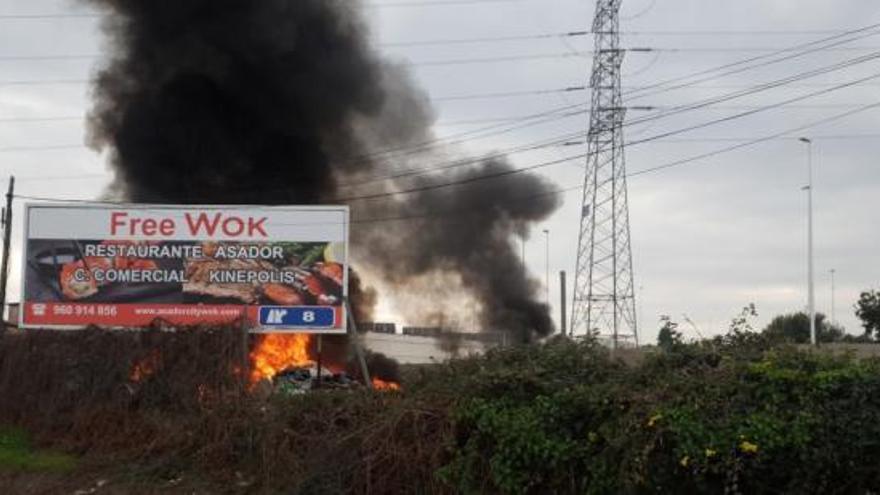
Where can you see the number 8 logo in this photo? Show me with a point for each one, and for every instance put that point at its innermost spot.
(309, 316)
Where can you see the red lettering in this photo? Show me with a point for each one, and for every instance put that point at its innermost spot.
(233, 223)
(202, 222)
(257, 226)
(150, 226)
(166, 227)
(208, 225)
(122, 224)
(116, 221)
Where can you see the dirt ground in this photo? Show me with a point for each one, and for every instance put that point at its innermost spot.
(88, 479)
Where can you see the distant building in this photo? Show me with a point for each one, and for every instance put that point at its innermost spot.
(12, 310)
(424, 345)
(388, 328)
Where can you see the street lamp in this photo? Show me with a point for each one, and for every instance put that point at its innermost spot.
(833, 319)
(811, 300)
(547, 264)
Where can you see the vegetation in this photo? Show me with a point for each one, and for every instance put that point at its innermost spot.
(795, 328)
(868, 310)
(17, 454)
(736, 414)
(668, 338)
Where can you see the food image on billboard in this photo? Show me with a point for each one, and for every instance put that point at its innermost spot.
(279, 269)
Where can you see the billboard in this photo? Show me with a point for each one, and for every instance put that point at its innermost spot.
(281, 269)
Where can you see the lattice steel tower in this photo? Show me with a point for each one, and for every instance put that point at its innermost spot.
(604, 296)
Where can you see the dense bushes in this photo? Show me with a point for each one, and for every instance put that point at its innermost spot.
(737, 414)
(706, 418)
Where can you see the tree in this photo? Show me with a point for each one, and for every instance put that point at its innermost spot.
(868, 310)
(795, 328)
(669, 338)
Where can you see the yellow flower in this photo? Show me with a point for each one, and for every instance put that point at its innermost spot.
(653, 419)
(748, 447)
(684, 461)
(710, 453)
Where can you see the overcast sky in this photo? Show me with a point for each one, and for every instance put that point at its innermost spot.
(709, 237)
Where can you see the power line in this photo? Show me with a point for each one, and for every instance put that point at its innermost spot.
(575, 34)
(765, 87)
(42, 119)
(425, 145)
(798, 51)
(510, 172)
(494, 59)
(676, 110)
(404, 151)
(427, 63)
(443, 3)
(94, 15)
(728, 32)
(788, 55)
(754, 141)
(55, 147)
(489, 39)
(566, 159)
(510, 94)
(679, 110)
(14, 17)
(752, 112)
(460, 211)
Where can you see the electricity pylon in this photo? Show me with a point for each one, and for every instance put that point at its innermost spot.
(604, 295)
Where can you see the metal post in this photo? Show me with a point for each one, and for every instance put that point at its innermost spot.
(351, 328)
(833, 319)
(547, 264)
(811, 299)
(562, 302)
(319, 345)
(4, 268)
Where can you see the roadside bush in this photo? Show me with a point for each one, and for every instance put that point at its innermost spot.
(736, 414)
(707, 419)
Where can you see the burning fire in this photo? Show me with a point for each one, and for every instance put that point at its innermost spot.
(274, 353)
(380, 384)
(145, 367)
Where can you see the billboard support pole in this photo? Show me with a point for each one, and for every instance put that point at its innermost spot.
(245, 350)
(4, 269)
(351, 328)
(319, 344)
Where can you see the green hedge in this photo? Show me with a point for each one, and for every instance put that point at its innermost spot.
(730, 416)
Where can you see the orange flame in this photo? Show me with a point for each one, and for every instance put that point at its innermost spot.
(380, 384)
(145, 367)
(274, 353)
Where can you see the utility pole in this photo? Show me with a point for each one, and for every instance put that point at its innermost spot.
(547, 265)
(562, 313)
(811, 296)
(4, 267)
(833, 319)
(604, 296)
(562, 300)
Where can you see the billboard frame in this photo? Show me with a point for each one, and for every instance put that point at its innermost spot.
(343, 306)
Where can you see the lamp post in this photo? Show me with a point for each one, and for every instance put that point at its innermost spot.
(811, 300)
(547, 264)
(833, 320)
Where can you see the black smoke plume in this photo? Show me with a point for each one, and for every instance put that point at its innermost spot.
(285, 102)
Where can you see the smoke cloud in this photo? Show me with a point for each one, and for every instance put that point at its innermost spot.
(285, 102)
